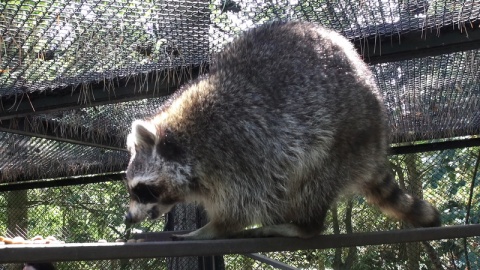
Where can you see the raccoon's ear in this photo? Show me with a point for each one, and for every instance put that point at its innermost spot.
(143, 134)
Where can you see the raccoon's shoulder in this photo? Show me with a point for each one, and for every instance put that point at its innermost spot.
(192, 84)
(189, 104)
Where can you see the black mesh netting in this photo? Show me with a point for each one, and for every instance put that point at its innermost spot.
(52, 50)
(53, 43)
(432, 97)
(51, 159)
(46, 44)
(26, 157)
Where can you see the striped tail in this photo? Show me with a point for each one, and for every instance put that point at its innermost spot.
(397, 203)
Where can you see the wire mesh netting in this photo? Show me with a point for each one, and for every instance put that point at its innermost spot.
(53, 43)
(26, 157)
(431, 97)
(424, 101)
(46, 44)
(49, 159)
(88, 213)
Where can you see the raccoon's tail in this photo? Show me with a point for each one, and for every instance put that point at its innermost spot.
(397, 203)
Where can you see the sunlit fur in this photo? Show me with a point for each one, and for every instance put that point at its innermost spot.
(288, 119)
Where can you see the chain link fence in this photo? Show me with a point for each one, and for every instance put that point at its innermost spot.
(93, 212)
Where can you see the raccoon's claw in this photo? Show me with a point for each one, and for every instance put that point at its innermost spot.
(188, 236)
(205, 233)
(179, 237)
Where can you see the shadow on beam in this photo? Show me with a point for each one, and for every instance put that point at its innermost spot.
(156, 249)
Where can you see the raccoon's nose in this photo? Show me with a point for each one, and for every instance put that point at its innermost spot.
(129, 218)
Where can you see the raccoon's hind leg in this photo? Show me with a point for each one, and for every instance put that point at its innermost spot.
(283, 230)
(397, 203)
(302, 228)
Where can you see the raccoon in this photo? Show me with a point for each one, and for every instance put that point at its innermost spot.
(288, 119)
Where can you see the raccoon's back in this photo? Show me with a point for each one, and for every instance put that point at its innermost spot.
(301, 70)
(275, 97)
(297, 79)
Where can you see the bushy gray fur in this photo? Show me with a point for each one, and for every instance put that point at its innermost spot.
(288, 119)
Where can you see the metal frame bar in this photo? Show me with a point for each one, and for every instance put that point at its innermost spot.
(269, 261)
(432, 41)
(47, 129)
(111, 251)
(68, 181)
(99, 93)
(437, 146)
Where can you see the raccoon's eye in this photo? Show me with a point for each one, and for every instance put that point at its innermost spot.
(169, 149)
(145, 194)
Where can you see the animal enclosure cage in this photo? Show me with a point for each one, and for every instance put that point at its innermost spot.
(75, 74)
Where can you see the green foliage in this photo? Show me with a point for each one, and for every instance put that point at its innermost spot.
(85, 213)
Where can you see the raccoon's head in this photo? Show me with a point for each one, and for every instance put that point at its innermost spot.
(157, 174)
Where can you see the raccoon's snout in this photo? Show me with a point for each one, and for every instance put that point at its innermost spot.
(129, 218)
(153, 213)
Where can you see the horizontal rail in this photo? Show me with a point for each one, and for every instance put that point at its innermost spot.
(456, 37)
(121, 89)
(156, 249)
(62, 182)
(48, 129)
(436, 146)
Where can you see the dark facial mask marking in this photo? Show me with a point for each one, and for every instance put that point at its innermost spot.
(144, 194)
